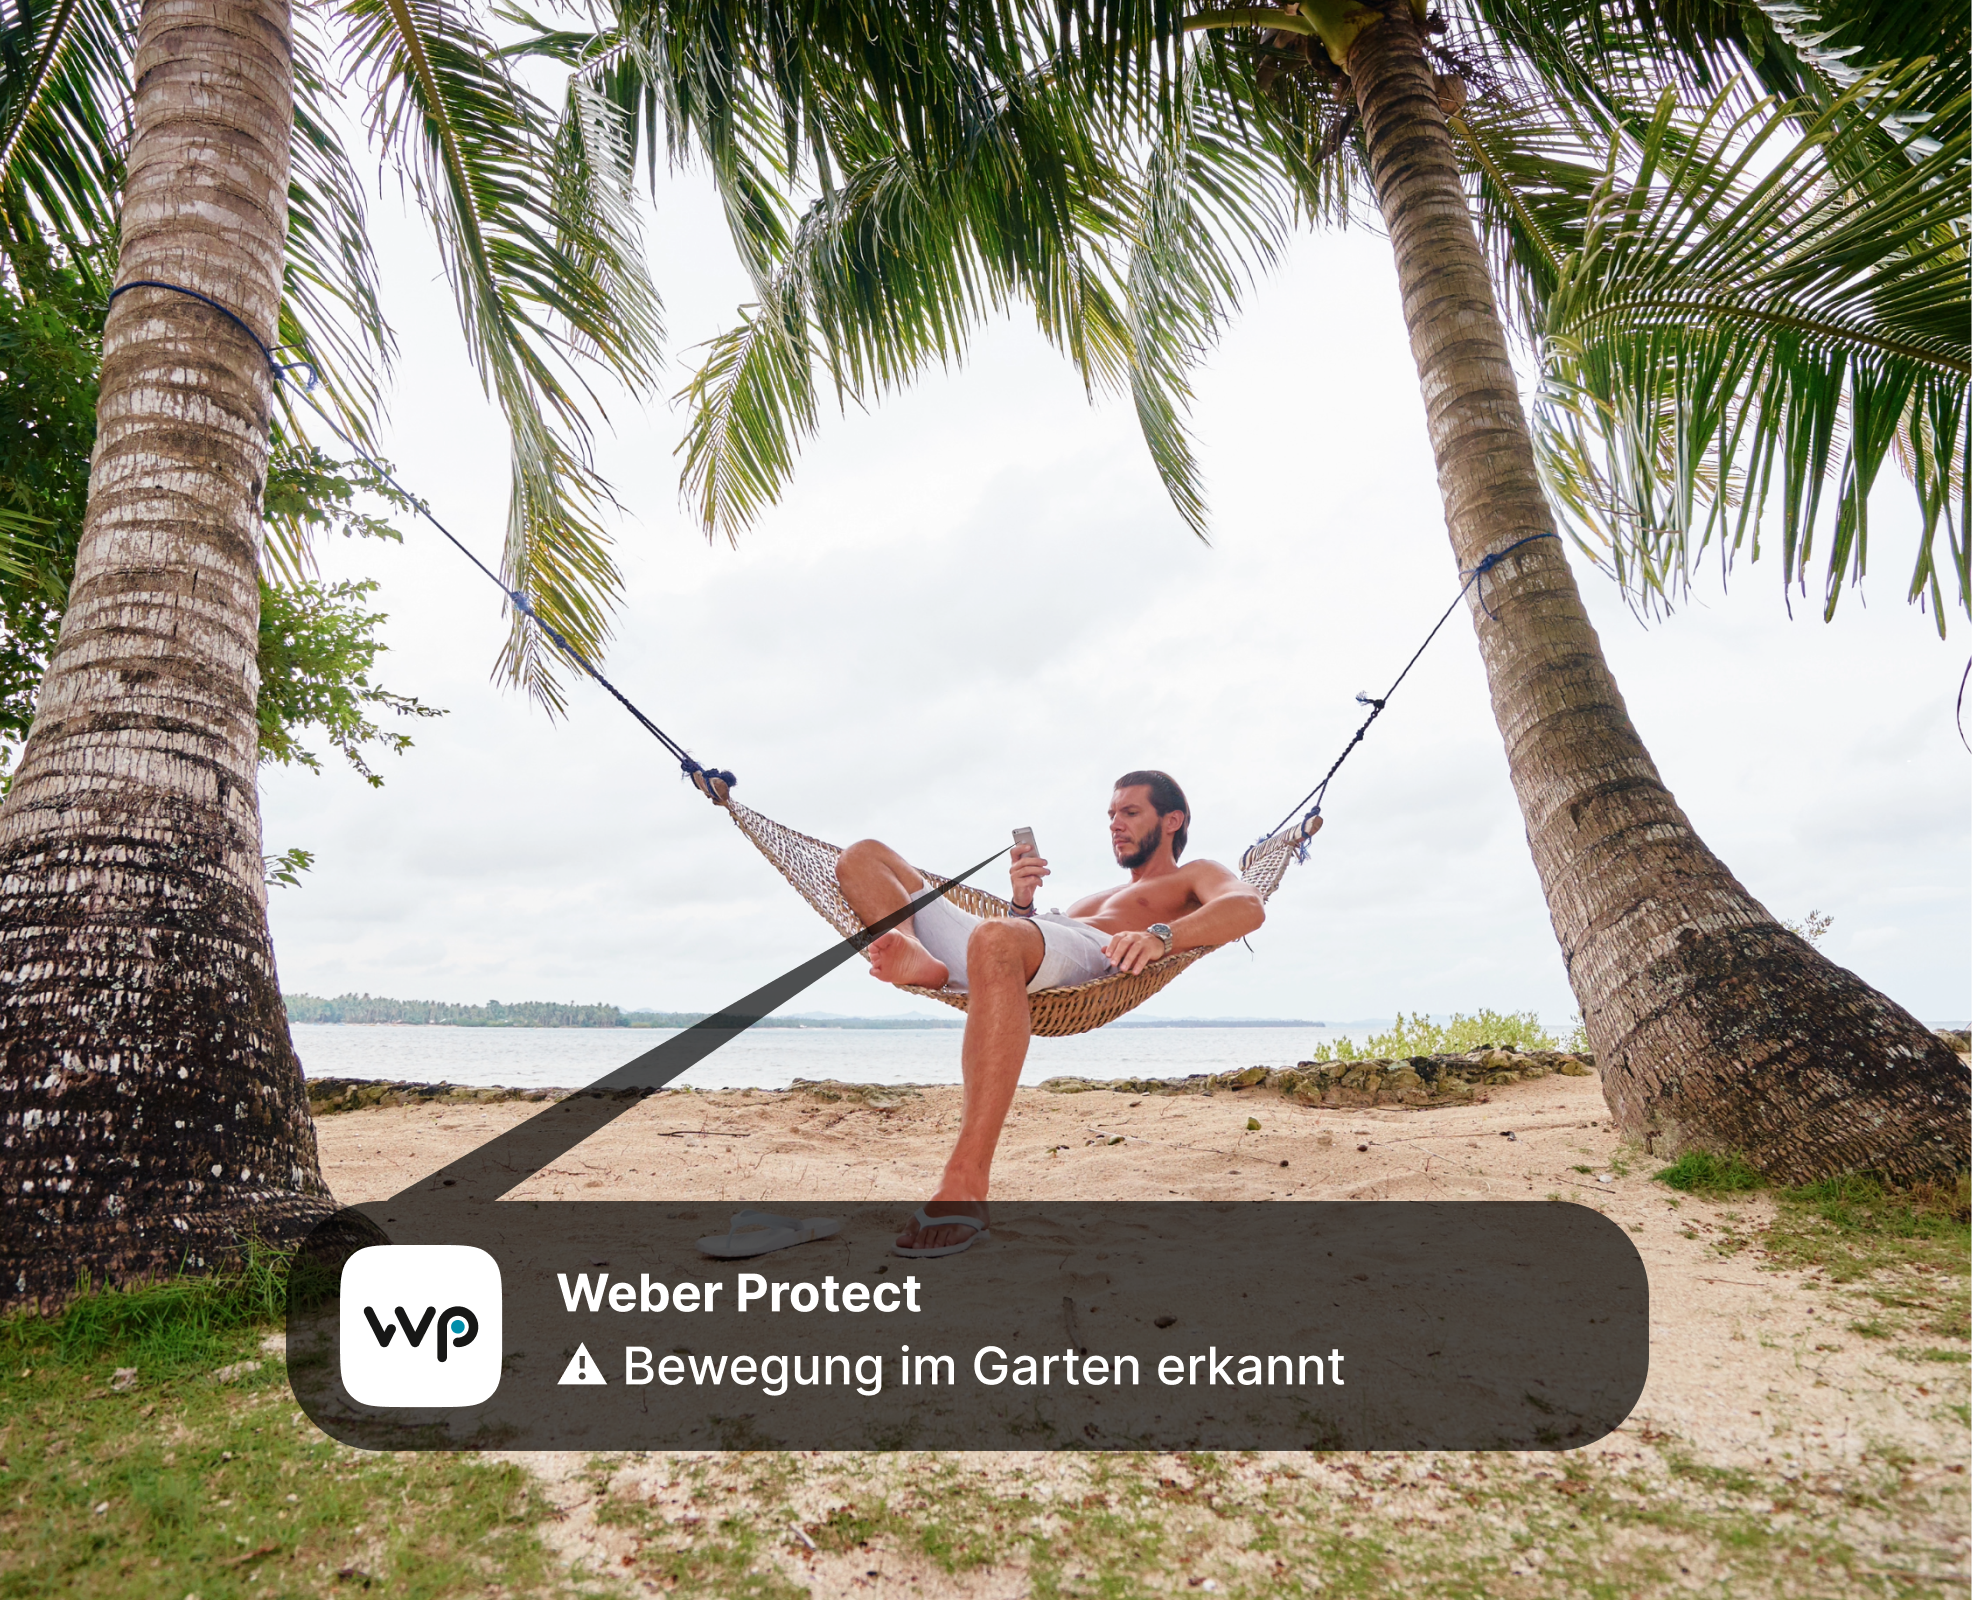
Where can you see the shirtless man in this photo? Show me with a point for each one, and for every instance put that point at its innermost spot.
(1163, 908)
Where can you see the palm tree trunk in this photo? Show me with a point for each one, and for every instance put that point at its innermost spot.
(1715, 1028)
(153, 1107)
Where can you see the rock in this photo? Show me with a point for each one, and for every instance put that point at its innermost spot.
(326, 1096)
(877, 1096)
(1417, 1081)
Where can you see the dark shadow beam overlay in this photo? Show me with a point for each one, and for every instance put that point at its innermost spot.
(500, 1164)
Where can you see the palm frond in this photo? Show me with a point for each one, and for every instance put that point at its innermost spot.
(1129, 257)
(752, 401)
(1214, 209)
(596, 204)
(878, 280)
(64, 119)
(331, 314)
(1607, 59)
(20, 542)
(893, 269)
(1531, 177)
(546, 279)
(1740, 331)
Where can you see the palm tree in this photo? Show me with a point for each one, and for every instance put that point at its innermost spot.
(154, 1111)
(1641, 247)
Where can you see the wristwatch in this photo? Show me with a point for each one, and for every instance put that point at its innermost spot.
(1163, 931)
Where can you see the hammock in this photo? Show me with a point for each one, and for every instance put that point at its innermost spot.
(808, 864)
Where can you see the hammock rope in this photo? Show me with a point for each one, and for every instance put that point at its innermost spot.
(1471, 575)
(808, 863)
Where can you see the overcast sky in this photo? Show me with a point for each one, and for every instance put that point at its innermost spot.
(976, 608)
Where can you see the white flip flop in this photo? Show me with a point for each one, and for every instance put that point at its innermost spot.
(926, 1222)
(754, 1233)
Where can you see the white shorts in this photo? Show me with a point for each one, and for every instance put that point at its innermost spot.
(1072, 953)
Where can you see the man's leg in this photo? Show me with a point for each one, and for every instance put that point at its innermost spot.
(1002, 955)
(876, 881)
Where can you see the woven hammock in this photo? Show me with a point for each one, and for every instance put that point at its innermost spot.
(809, 865)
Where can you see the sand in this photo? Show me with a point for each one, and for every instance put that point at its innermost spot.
(1751, 1367)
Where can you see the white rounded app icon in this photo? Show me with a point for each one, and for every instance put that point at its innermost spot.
(421, 1325)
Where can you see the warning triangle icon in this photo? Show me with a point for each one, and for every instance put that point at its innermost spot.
(582, 1368)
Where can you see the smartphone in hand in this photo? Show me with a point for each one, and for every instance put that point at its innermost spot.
(1025, 836)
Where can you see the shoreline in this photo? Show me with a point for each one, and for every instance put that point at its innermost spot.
(1415, 1081)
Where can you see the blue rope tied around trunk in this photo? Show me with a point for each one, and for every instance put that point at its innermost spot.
(281, 370)
(1487, 563)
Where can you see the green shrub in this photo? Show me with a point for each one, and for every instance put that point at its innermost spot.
(1701, 1172)
(1420, 1036)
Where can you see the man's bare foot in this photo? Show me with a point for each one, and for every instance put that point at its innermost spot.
(915, 1238)
(898, 958)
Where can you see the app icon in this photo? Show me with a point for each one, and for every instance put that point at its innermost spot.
(421, 1325)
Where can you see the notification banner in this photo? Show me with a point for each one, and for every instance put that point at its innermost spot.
(1074, 1325)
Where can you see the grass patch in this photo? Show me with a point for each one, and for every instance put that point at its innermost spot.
(1702, 1173)
(1733, 1480)
(1854, 1226)
(178, 1325)
(1337, 1526)
(178, 1482)
(1910, 1249)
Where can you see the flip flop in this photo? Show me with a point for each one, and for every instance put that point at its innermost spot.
(926, 1222)
(754, 1233)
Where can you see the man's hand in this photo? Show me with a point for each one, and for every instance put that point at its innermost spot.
(1132, 952)
(1027, 872)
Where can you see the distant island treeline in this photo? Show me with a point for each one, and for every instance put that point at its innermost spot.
(375, 1010)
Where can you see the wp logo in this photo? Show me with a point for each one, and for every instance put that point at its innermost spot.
(421, 1325)
(458, 1321)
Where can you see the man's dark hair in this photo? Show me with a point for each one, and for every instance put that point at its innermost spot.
(1166, 797)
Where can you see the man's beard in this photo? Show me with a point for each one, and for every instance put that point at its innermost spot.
(1142, 849)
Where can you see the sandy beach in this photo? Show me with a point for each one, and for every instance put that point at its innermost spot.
(1755, 1369)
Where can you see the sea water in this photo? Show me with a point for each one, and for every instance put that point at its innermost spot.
(772, 1058)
